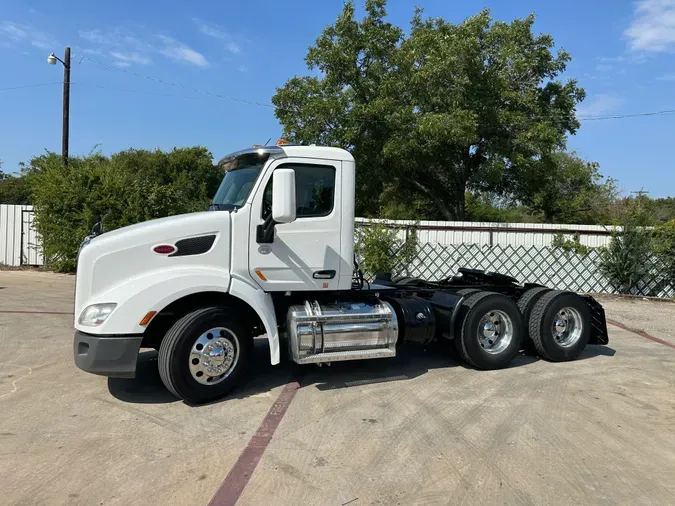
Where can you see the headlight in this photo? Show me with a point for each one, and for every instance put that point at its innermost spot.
(96, 314)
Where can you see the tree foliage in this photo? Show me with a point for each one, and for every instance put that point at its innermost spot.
(381, 248)
(449, 108)
(13, 190)
(664, 248)
(125, 188)
(567, 189)
(627, 261)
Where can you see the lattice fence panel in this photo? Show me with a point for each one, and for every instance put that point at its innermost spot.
(547, 266)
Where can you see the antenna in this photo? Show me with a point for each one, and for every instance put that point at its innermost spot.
(268, 140)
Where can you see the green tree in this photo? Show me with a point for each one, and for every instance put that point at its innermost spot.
(342, 107)
(126, 188)
(450, 108)
(13, 190)
(564, 188)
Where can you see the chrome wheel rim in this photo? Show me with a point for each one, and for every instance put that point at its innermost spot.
(214, 356)
(495, 332)
(567, 327)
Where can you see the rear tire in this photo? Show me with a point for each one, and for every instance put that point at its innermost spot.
(490, 330)
(525, 304)
(204, 355)
(560, 326)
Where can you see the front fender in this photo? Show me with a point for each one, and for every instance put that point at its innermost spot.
(152, 291)
(262, 303)
(156, 290)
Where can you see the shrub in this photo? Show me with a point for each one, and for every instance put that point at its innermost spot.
(381, 249)
(126, 188)
(664, 249)
(626, 261)
(567, 245)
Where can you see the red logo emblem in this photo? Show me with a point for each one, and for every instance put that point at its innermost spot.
(164, 249)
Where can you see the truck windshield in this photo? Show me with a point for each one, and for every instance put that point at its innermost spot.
(240, 176)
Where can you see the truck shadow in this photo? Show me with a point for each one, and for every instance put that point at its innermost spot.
(409, 363)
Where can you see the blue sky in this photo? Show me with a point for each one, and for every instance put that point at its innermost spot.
(622, 55)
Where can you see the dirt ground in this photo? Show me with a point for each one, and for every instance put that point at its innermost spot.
(417, 429)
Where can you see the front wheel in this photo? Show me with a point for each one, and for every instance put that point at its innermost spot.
(204, 355)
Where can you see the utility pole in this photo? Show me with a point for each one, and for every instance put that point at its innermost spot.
(66, 106)
(52, 59)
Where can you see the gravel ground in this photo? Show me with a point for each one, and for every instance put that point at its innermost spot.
(650, 316)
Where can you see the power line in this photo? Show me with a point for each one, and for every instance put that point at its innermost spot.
(623, 116)
(259, 104)
(269, 106)
(130, 90)
(21, 87)
(168, 83)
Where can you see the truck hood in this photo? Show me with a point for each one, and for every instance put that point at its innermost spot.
(121, 255)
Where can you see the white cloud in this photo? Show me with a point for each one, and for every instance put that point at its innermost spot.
(13, 31)
(601, 104)
(27, 34)
(612, 59)
(210, 29)
(123, 45)
(130, 58)
(243, 68)
(95, 36)
(653, 26)
(215, 31)
(603, 67)
(178, 51)
(233, 47)
(667, 77)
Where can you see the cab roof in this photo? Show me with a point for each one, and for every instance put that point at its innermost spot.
(289, 150)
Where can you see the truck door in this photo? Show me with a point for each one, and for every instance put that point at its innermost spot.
(305, 254)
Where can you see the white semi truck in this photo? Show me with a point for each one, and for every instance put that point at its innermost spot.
(274, 255)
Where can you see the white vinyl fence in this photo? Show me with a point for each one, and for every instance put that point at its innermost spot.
(490, 234)
(20, 243)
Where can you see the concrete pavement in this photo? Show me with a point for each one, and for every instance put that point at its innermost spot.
(417, 429)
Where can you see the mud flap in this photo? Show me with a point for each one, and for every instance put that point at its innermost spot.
(599, 334)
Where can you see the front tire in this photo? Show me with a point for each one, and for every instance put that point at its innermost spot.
(560, 326)
(490, 332)
(204, 355)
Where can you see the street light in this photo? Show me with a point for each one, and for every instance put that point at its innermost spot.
(52, 59)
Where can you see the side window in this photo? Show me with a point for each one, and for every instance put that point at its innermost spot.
(314, 190)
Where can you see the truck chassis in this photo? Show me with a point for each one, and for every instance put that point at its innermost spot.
(488, 316)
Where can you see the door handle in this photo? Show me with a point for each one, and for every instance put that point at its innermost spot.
(324, 274)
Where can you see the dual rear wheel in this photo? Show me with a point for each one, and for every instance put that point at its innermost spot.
(492, 328)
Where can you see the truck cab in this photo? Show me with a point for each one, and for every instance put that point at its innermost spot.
(274, 255)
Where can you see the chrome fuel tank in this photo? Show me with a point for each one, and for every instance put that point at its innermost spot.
(343, 330)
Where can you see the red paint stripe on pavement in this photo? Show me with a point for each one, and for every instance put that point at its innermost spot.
(642, 334)
(229, 491)
(17, 311)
